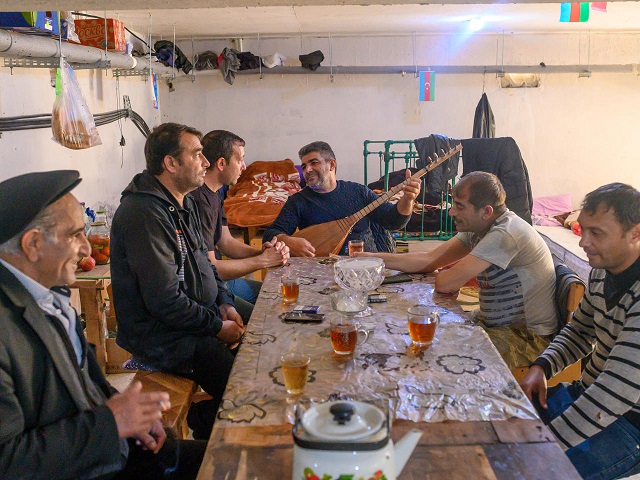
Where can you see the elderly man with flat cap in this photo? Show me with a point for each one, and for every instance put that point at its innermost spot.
(59, 417)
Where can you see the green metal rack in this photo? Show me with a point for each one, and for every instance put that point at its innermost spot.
(405, 151)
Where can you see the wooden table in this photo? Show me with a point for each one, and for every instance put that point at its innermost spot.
(477, 423)
(92, 287)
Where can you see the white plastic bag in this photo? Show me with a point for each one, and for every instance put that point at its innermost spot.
(72, 122)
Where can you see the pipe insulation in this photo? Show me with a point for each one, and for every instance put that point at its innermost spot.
(14, 44)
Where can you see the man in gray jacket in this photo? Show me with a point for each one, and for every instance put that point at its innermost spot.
(59, 417)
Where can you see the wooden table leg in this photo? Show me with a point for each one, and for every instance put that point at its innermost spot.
(93, 307)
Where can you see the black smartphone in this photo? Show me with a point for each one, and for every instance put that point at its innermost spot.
(399, 278)
(295, 317)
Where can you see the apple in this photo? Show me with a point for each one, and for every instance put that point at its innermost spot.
(87, 263)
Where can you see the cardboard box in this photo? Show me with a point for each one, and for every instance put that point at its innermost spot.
(91, 33)
(39, 23)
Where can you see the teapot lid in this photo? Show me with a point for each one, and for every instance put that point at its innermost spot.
(343, 421)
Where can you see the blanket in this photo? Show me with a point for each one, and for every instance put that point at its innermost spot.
(261, 191)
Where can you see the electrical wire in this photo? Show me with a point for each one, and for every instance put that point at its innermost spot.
(43, 120)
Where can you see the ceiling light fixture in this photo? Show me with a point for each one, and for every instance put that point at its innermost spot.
(476, 24)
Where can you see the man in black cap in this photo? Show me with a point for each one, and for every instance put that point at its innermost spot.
(174, 312)
(60, 418)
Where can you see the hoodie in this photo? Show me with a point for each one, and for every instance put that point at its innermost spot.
(166, 292)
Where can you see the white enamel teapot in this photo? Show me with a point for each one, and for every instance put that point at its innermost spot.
(341, 440)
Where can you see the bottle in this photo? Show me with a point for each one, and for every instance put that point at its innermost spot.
(100, 239)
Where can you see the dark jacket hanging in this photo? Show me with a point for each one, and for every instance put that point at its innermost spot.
(484, 125)
(501, 156)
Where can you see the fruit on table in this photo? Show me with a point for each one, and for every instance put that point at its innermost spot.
(100, 248)
(87, 263)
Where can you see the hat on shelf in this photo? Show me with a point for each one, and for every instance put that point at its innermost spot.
(275, 60)
(311, 60)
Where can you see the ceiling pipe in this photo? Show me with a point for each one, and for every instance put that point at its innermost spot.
(18, 45)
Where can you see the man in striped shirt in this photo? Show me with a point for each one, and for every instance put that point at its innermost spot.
(597, 419)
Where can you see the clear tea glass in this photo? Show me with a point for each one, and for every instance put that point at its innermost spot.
(355, 246)
(346, 335)
(290, 289)
(295, 367)
(422, 323)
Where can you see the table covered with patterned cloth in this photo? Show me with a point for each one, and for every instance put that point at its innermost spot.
(460, 380)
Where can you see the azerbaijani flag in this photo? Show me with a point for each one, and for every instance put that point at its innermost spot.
(599, 6)
(427, 86)
(574, 12)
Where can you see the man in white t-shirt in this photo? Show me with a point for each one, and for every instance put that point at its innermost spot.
(512, 263)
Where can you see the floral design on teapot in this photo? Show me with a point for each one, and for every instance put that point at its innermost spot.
(310, 475)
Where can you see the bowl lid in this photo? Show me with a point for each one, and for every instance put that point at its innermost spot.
(343, 421)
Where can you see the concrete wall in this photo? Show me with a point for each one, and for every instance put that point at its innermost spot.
(106, 169)
(574, 133)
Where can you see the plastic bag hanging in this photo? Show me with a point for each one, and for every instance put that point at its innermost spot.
(72, 122)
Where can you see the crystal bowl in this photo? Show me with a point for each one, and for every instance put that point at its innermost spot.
(359, 273)
(349, 302)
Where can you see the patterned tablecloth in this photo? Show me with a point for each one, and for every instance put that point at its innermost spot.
(460, 377)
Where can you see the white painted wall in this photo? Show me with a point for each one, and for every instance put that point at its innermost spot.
(574, 133)
(106, 169)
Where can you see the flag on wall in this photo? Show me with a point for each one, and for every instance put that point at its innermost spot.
(599, 6)
(574, 12)
(427, 86)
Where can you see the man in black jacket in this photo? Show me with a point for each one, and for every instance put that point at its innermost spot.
(59, 418)
(174, 312)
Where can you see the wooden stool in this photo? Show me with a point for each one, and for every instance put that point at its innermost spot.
(180, 390)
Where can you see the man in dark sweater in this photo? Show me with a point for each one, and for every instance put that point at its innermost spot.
(597, 419)
(225, 152)
(325, 199)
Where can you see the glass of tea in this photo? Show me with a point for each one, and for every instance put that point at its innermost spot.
(355, 246)
(422, 321)
(346, 335)
(295, 367)
(290, 289)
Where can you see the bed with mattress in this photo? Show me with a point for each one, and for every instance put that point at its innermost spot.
(563, 243)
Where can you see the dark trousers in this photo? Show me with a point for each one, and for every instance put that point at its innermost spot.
(177, 459)
(212, 364)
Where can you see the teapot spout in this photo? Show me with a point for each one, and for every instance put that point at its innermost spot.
(405, 447)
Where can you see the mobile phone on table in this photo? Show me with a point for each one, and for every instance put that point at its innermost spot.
(399, 278)
(298, 317)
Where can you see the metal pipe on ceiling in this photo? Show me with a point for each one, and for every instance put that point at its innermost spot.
(18, 45)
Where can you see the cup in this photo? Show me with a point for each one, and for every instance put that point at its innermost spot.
(346, 335)
(295, 367)
(290, 289)
(422, 320)
(355, 246)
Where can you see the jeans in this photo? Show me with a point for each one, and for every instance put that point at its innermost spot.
(246, 292)
(612, 453)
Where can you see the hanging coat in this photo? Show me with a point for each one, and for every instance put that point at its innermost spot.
(484, 125)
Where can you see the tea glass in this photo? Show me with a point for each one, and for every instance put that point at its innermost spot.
(295, 367)
(346, 335)
(422, 322)
(355, 246)
(290, 289)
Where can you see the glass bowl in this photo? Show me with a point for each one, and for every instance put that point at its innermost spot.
(360, 273)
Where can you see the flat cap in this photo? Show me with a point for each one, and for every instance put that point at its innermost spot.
(23, 197)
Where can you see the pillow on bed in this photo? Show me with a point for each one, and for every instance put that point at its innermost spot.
(545, 208)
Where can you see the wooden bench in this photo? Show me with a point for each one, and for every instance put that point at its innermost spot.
(180, 390)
